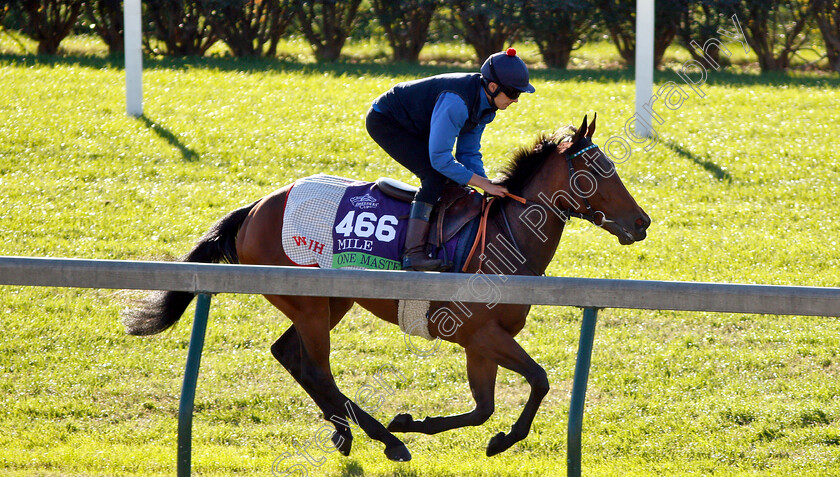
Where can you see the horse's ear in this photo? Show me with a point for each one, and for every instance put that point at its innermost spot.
(581, 132)
(591, 130)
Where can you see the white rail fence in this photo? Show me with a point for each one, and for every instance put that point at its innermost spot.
(555, 291)
(590, 294)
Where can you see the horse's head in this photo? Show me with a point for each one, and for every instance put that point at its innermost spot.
(597, 193)
(571, 176)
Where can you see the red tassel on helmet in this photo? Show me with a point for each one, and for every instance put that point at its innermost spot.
(511, 52)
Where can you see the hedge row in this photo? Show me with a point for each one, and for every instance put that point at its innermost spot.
(775, 29)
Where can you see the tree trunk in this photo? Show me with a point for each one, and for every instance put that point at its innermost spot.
(107, 18)
(48, 46)
(50, 21)
(330, 51)
(247, 26)
(827, 14)
(557, 27)
(700, 23)
(774, 29)
(326, 24)
(556, 57)
(620, 18)
(489, 26)
(179, 26)
(406, 25)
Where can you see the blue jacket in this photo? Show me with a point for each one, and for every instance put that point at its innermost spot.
(445, 109)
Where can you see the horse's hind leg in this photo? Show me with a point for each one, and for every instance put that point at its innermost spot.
(311, 317)
(287, 350)
(481, 373)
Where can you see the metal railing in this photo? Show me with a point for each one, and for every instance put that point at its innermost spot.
(589, 294)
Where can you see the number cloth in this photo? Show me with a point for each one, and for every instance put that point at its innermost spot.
(334, 222)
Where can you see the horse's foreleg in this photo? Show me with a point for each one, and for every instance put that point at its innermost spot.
(481, 373)
(311, 318)
(499, 346)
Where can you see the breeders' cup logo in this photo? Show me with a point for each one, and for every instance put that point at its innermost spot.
(366, 201)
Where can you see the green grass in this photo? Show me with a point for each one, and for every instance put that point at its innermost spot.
(742, 188)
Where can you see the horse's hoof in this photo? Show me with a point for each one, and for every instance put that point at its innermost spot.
(497, 445)
(398, 453)
(342, 442)
(400, 423)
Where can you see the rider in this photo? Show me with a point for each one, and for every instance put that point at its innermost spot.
(418, 122)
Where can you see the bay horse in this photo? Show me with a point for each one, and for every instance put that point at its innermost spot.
(549, 176)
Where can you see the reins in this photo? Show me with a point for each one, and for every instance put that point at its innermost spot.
(481, 235)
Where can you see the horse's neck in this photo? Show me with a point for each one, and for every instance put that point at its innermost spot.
(537, 245)
(535, 228)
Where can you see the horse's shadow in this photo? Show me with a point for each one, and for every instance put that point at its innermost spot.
(352, 469)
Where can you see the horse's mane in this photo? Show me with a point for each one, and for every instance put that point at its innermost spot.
(526, 161)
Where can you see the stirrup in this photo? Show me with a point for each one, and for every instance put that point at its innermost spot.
(425, 264)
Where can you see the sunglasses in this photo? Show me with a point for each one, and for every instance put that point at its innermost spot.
(510, 92)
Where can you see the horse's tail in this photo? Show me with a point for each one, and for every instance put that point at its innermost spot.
(162, 309)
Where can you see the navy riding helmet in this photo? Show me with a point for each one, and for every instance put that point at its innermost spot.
(509, 72)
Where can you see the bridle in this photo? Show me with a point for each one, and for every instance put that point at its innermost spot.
(592, 215)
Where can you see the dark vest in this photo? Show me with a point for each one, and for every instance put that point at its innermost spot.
(411, 103)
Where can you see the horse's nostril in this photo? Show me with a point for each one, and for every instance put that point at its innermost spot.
(642, 223)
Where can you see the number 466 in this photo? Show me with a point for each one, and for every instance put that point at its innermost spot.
(366, 224)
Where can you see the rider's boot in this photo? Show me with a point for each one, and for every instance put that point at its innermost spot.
(416, 236)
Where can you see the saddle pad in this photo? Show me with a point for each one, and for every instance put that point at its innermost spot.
(335, 222)
(308, 219)
(412, 316)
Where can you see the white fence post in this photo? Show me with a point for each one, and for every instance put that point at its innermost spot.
(133, 58)
(644, 64)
